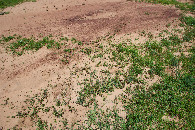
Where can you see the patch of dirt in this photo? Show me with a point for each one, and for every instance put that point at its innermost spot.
(87, 21)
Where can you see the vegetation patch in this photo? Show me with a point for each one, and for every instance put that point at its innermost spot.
(183, 6)
(7, 3)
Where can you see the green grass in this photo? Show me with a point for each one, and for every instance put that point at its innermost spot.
(182, 6)
(18, 45)
(172, 97)
(7, 3)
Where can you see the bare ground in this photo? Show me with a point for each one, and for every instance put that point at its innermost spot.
(84, 20)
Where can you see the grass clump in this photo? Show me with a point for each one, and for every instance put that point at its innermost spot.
(7, 3)
(100, 119)
(18, 45)
(24, 44)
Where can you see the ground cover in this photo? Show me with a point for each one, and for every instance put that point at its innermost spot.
(142, 80)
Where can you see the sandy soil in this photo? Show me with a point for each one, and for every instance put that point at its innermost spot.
(85, 20)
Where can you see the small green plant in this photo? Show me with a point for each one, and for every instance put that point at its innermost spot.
(146, 13)
(57, 113)
(73, 40)
(87, 51)
(65, 123)
(41, 125)
(80, 43)
(64, 39)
